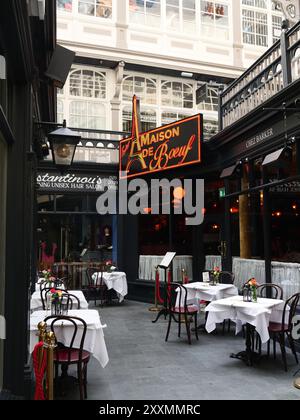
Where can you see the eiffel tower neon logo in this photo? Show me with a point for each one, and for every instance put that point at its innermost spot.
(135, 154)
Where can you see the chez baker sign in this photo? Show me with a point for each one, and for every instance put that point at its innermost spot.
(171, 146)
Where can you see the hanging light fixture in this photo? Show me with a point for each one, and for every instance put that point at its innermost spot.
(63, 142)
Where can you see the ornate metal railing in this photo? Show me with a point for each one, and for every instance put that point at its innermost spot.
(278, 67)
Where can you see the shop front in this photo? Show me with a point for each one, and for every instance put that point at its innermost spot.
(70, 232)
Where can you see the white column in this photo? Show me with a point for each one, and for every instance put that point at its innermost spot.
(237, 34)
(116, 116)
(122, 13)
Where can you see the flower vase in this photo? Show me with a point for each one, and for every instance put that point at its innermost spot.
(56, 307)
(254, 294)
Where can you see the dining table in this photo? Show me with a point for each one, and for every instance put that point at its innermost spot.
(94, 340)
(115, 280)
(256, 316)
(36, 300)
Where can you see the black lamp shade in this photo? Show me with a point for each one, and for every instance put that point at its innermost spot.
(63, 144)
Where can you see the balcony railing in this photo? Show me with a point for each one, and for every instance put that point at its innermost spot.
(275, 70)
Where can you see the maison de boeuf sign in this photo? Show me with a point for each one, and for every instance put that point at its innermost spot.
(171, 146)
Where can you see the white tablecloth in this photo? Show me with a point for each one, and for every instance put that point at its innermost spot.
(286, 275)
(257, 314)
(36, 301)
(204, 291)
(94, 340)
(115, 280)
(148, 264)
(41, 281)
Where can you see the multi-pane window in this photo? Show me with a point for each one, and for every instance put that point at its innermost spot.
(65, 5)
(145, 12)
(169, 117)
(88, 84)
(85, 114)
(177, 94)
(210, 128)
(276, 27)
(98, 8)
(148, 119)
(60, 111)
(214, 19)
(211, 99)
(255, 27)
(145, 89)
(181, 15)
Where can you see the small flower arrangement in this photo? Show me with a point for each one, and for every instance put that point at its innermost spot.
(216, 274)
(48, 276)
(251, 290)
(56, 295)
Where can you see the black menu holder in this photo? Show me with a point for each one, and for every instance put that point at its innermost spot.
(165, 264)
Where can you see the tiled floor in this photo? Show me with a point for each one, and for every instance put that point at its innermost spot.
(143, 366)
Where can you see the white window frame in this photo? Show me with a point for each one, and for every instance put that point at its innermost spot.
(75, 12)
(269, 12)
(181, 26)
(214, 21)
(67, 98)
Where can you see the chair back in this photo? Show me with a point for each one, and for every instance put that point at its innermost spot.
(176, 297)
(226, 277)
(98, 282)
(77, 336)
(291, 305)
(70, 300)
(270, 290)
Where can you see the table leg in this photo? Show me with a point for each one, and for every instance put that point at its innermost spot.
(248, 356)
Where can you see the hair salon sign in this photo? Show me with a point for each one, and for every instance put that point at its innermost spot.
(55, 182)
(171, 146)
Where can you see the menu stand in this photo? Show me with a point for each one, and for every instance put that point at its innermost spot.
(165, 264)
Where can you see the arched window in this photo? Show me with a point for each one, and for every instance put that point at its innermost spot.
(145, 89)
(145, 12)
(97, 8)
(88, 84)
(148, 119)
(177, 94)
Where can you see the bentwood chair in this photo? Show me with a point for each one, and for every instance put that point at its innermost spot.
(72, 301)
(69, 353)
(278, 331)
(179, 310)
(271, 291)
(96, 286)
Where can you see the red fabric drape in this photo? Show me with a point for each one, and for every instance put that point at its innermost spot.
(39, 371)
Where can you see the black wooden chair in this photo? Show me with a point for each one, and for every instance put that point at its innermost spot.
(179, 310)
(96, 287)
(278, 331)
(71, 301)
(270, 291)
(68, 354)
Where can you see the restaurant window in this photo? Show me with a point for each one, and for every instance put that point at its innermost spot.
(144, 88)
(97, 8)
(145, 12)
(65, 5)
(148, 119)
(88, 84)
(214, 19)
(181, 15)
(177, 94)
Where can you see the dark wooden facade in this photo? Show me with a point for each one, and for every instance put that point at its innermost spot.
(27, 44)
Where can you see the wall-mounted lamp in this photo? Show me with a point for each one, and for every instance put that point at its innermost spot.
(63, 142)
